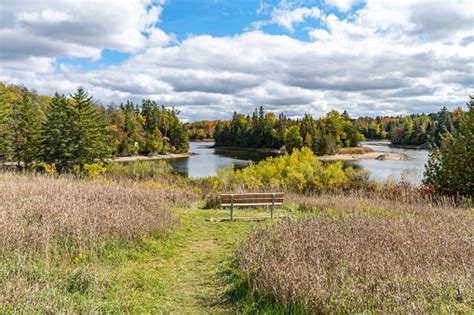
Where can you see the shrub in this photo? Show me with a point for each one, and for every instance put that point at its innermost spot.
(94, 170)
(301, 171)
(355, 150)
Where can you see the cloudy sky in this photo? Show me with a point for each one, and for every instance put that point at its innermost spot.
(209, 58)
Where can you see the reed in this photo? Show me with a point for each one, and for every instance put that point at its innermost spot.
(53, 230)
(351, 253)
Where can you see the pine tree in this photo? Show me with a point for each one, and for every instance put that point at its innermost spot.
(58, 145)
(6, 123)
(89, 131)
(450, 169)
(74, 132)
(26, 133)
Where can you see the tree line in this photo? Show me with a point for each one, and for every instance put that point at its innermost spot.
(265, 130)
(201, 130)
(68, 132)
(415, 129)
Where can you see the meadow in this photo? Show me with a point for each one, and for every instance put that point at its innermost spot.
(350, 253)
(138, 239)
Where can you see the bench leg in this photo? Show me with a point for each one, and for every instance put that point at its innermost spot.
(273, 206)
(232, 212)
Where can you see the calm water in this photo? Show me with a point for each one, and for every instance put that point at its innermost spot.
(207, 161)
(410, 169)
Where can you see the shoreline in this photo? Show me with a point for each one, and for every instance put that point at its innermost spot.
(132, 158)
(376, 155)
(259, 150)
(387, 143)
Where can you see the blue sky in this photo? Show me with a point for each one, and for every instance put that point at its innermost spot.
(211, 57)
(185, 18)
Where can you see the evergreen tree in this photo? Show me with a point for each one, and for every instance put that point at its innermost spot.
(6, 123)
(26, 133)
(58, 144)
(450, 169)
(73, 133)
(88, 130)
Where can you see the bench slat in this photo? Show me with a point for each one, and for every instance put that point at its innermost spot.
(251, 204)
(252, 195)
(252, 200)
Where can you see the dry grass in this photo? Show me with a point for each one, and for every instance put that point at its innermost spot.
(355, 150)
(351, 254)
(53, 229)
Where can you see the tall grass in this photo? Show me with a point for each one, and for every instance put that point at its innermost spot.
(355, 150)
(356, 254)
(53, 230)
(139, 170)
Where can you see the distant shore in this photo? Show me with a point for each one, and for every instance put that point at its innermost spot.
(260, 150)
(376, 155)
(372, 155)
(202, 140)
(169, 156)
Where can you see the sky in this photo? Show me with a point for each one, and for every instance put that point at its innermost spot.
(209, 58)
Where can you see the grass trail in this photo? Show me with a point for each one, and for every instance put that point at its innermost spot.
(186, 273)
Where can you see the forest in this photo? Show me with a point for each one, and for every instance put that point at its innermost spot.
(415, 129)
(72, 131)
(323, 136)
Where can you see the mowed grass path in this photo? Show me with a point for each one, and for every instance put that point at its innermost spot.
(188, 272)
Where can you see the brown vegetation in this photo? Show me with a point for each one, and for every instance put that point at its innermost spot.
(351, 253)
(355, 150)
(49, 228)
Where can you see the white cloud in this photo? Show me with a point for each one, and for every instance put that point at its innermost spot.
(399, 63)
(285, 14)
(287, 18)
(44, 17)
(342, 5)
(38, 30)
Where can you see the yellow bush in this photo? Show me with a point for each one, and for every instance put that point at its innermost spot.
(50, 169)
(94, 170)
(300, 171)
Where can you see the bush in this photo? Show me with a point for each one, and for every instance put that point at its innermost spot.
(355, 150)
(94, 170)
(301, 171)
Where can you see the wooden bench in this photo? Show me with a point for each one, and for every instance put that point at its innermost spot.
(251, 200)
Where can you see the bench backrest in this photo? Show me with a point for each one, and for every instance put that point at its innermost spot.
(252, 199)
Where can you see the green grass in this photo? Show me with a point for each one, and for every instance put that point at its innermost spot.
(187, 272)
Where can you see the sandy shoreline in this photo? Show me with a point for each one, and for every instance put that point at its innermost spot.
(376, 155)
(151, 158)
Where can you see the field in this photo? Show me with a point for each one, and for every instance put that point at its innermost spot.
(114, 245)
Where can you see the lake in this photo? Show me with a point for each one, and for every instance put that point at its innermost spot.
(411, 169)
(207, 160)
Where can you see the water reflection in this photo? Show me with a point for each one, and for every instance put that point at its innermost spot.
(207, 161)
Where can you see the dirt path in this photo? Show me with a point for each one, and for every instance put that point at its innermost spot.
(186, 274)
